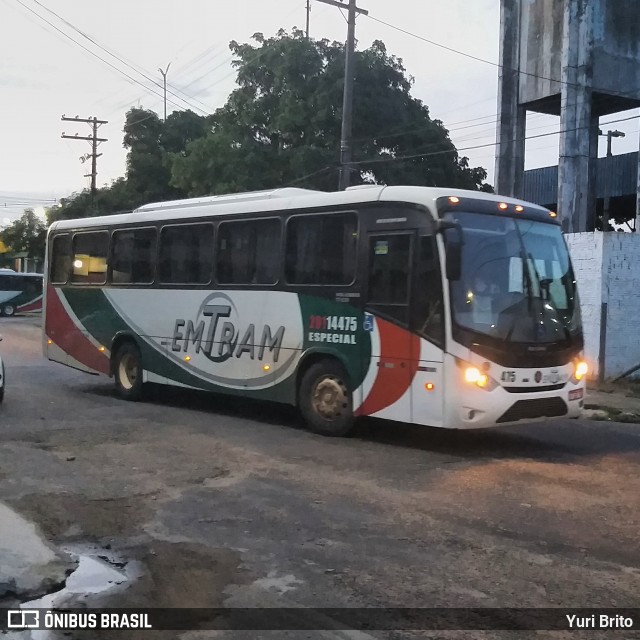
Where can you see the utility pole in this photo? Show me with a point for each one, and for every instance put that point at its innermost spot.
(347, 99)
(94, 140)
(308, 16)
(607, 200)
(164, 77)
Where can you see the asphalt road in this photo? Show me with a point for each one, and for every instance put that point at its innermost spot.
(225, 502)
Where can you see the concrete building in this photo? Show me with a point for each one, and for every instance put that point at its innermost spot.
(577, 59)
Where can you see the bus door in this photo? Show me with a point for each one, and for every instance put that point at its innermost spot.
(427, 324)
(386, 391)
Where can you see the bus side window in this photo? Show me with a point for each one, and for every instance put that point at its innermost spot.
(428, 307)
(133, 256)
(186, 255)
(321, 249)
(60, 259)
(29, 285)
(90, 257)
(248, 252)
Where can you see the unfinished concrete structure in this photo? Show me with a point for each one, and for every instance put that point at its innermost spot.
(579, 59)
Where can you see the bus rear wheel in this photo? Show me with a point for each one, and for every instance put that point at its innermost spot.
(128, 372)
(325, 399)
(8, 310)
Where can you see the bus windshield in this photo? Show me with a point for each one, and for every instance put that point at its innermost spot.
(516, 283)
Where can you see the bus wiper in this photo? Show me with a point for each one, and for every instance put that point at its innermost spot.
(545, 295)
(528, 288)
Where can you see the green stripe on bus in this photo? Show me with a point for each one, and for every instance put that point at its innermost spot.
(100, 319)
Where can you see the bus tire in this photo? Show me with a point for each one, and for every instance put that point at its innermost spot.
(2, 382)
(8, 310)
(127, 372)
(325, 400)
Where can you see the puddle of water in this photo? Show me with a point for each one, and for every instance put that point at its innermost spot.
(92, 576)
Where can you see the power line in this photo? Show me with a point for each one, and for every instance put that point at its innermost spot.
(113, 55)
(93, 53)
(495, 64)
(480, 146)
(450, 128)
(223, 63)
(311, 175)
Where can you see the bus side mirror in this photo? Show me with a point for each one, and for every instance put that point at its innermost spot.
(453, 240)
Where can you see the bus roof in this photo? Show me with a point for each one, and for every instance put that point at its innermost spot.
(281, 200)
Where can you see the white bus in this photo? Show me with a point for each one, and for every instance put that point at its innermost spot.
(439, 307)
(20, 292)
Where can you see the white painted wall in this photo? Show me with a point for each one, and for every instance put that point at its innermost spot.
(621, 290)
(607, 267)
(586, 251)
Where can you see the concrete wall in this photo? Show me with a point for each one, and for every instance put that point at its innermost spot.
(586, 251)
(607, 267)
(540, 49)
(612, 29)
(616, 35)
(621, 291)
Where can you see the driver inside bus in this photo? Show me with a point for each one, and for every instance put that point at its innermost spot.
(480, 297)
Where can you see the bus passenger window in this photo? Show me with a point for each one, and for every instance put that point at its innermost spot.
(60, 259)
(321, 249)
(133, 256)
(90, 257)
(186, 254)
(248, 252)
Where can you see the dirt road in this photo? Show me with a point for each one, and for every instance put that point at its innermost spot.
(228, 503)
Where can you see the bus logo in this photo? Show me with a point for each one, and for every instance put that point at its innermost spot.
(218, 334)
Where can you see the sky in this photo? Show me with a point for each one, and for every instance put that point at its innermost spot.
(47, 69)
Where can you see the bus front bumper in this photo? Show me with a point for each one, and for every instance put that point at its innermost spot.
(480, 409)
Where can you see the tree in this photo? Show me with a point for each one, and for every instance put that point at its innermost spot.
(109, 199)
(150, 141)
(26, 234)
(282, 124)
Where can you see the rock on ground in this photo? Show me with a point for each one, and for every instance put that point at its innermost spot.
(29, 566)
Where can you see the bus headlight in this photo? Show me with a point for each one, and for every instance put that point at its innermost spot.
(580, 371)
(473, 375)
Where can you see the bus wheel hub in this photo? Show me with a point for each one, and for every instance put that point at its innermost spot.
(329, 398)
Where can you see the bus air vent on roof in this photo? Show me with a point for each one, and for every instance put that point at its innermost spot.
(285, 192)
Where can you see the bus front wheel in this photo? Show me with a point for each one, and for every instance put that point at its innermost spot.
(128, 372)
(325, 399)
(8, 310)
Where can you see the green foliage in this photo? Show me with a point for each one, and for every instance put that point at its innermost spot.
(27, 233)
(283, 123)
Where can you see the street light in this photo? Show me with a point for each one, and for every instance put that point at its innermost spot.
(164, 77)
(609, 135)
(607, 200)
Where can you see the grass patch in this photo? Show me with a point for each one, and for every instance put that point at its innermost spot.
(630, 387)
(611, 414)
